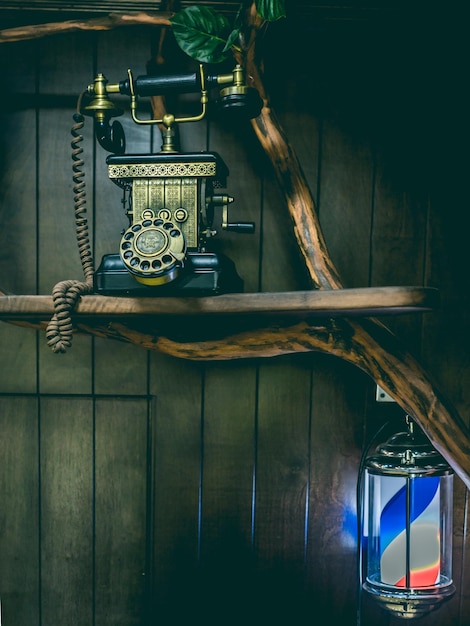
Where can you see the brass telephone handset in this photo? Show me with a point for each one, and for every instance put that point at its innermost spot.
(172, 194)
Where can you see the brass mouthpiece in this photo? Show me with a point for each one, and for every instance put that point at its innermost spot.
(101, 102)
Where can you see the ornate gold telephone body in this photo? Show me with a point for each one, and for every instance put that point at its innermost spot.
(171, 196)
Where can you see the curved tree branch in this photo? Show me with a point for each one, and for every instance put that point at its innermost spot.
(288, 170)
(113, 20)
(366, 343)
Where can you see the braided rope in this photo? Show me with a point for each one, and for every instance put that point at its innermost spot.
(67, 293)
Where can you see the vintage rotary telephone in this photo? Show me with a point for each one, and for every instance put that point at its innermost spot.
(171, 196)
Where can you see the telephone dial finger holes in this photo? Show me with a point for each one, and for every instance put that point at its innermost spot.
(153, 247)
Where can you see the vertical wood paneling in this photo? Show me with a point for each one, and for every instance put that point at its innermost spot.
(399, 238)
(19, 511)
(339, 392)
(66, 466)
(121, 508)
(445, 337)
(237, 147)
(461, 560)
(229, 404)
(18, 196)
(281, 487)
(19, 351)
(58, 253)
(346, 199)
(18, 246)
(117, 368)
(178, 469)
(338, 401)
(283, 427)
(177, 474)
(282, 267)
(339, 86)
(227, 490)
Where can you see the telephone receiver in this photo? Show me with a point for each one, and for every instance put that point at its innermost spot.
(170, 197)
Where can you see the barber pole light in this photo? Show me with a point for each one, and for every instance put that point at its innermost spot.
(407, 534)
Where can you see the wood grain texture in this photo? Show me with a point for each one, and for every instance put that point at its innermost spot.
(338, 394)
(19, 516)
(55, 230)
(341, 302)
(111, 21)
(282, 462)
(118, 369)
(18, 136)
(123, 457)
(66, 510)
(227, 569)
(177, 440)
(226, 564)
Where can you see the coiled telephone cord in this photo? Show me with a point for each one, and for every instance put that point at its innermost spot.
(67, 293)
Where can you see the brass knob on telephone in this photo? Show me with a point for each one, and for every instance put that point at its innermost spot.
(224, 200)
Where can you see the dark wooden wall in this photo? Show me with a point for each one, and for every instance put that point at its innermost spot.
(137, 489)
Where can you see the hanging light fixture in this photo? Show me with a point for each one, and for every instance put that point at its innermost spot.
(407, 525)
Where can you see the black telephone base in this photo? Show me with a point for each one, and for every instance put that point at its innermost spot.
(204, 274)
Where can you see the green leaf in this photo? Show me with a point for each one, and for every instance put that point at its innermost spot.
(232, 38)
(202, 33)
(271, 10)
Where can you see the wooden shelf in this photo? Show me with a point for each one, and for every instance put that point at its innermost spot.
(371, 301)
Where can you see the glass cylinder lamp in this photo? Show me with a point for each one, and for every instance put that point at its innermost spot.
(407, 534)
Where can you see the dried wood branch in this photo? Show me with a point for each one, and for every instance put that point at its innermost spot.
(367, 343)
(288, 170)
(108, 22)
